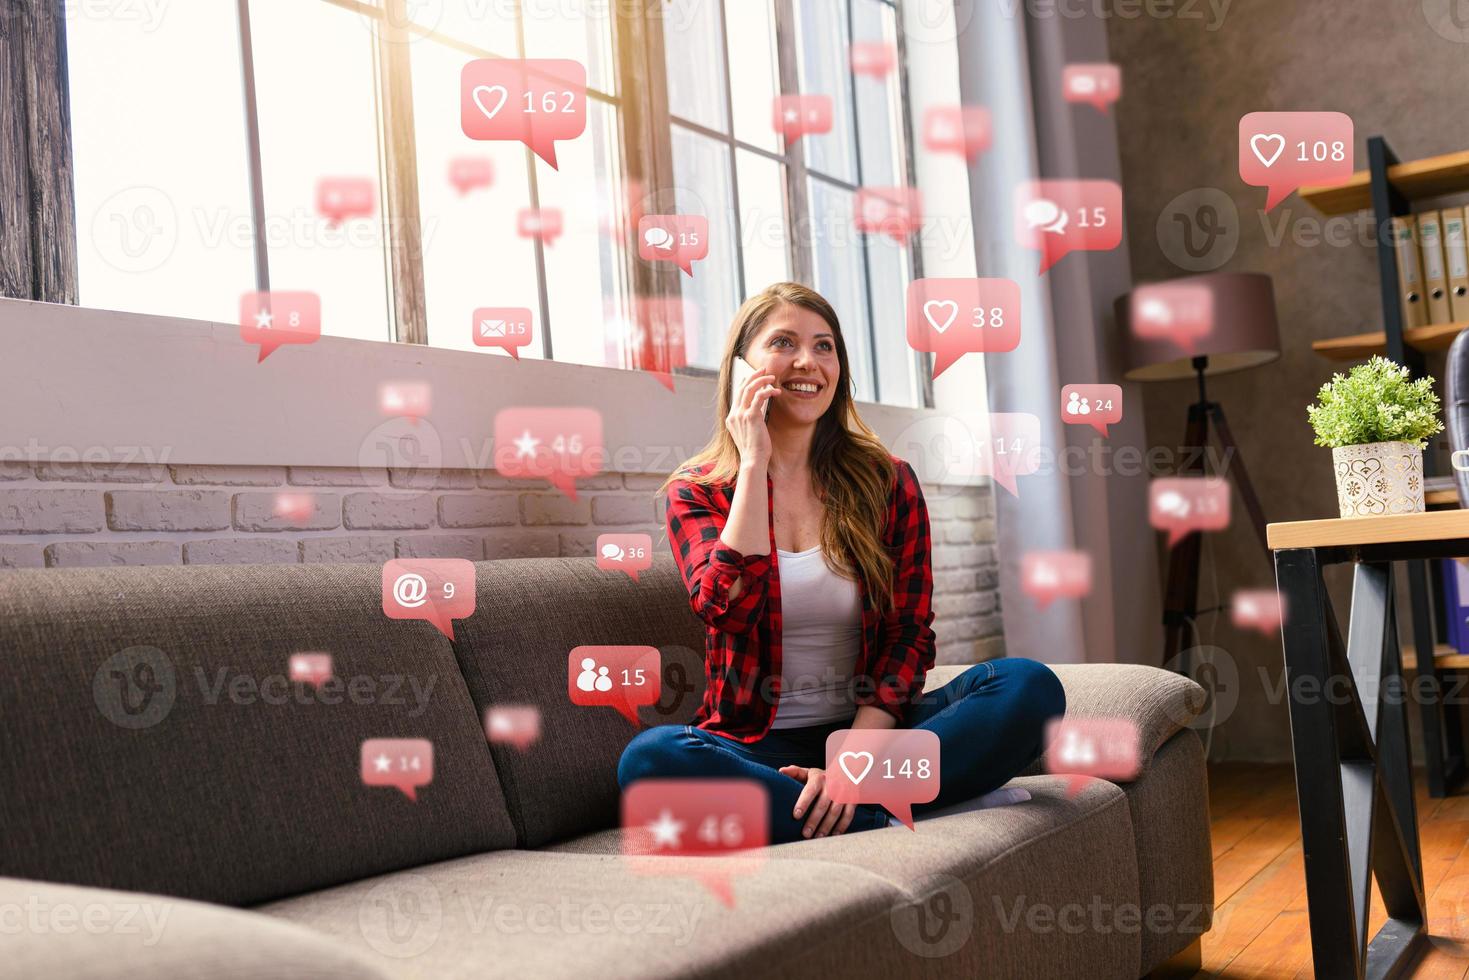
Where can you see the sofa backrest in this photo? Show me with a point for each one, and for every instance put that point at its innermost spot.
(529, 615)
(150, 739)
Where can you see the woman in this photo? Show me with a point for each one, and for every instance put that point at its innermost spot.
(805, 549)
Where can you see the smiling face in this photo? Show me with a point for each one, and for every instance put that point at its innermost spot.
(798, 346)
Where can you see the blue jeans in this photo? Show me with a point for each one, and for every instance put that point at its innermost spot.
(990, 721)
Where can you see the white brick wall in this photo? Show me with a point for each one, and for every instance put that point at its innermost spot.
(69, 514)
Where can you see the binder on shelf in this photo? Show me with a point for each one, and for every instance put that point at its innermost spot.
(1410, 281)
(1456, 262)
(1435, 282)
(1456, 604)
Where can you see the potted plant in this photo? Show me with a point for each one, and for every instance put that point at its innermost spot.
(1376, 420)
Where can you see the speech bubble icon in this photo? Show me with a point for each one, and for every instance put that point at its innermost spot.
(793, 116)
(656, 337)
(1046, 576)
(403, 763)
(1099, 85)
(1257, 609)
(535, 101)
(893, 767)
(954, 317)
(1058, 217)
(1010, 447)
(506, 327)
(339, 198)
(1181, 505)
(274, 319)
(630, 553)
(1179, 312)
(875, 58)
(1092, 748)
(556, 444)
(620, 677)
(709, 829)
(962, 129)
(893, 211)
(678, 238)
(1284, 150)
(437, 590)
(543, 223)
(1095, 405)
(405, 399)
(311, 668)
(467, 173)
(513, 724)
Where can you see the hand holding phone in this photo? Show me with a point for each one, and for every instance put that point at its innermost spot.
(750, 395)
(742, 373)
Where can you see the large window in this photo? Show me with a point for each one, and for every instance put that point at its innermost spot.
(184, 201)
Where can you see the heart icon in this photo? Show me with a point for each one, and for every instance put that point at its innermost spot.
(859, 776)
(933, 305)
(1274, 139)
(490, 90)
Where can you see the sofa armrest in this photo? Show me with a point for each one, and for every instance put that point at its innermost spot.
(71, 932)
(1158, 701)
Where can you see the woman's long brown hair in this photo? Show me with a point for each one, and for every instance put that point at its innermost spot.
(851, 471)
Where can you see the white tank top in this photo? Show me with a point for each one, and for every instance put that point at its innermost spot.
(820, 637)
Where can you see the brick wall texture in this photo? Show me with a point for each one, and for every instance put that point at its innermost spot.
(73, 514)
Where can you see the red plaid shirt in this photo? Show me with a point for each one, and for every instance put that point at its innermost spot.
(742, 638)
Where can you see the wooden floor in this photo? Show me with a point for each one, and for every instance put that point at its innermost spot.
(1260, 923)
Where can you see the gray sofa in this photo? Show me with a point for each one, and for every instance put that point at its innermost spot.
(172, 806)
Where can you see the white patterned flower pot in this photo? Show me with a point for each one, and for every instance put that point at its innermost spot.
(1379, 478)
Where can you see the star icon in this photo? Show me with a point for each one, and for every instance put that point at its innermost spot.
(382, 763)
(666, 830)
(264, 319)
(526, 445)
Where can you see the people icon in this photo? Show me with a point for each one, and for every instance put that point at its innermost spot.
(1078, 751)
(1077, 405)
(592, 677)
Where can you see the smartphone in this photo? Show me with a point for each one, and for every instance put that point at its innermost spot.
(742, 370)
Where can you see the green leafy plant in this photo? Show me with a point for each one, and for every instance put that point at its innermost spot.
(1375, 402)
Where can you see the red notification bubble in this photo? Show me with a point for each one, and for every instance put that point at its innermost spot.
(1283, 150)
(624, 678)
(467, 173)
(536, 101)
(556, 444)
(437, 590)
(1057, 217)
(1257, 609)
(311, 668)
(294, 507)
(403, 763)
(542, 223)
(657, 336)
(1179, 312)
(710, 829)
(275, 319)
(339, 198)
(1009, 448)
(1181, 505)
(513, 724)
(630, 553)
(1092, 748)
(962, 129)
(1097, 85)
(954, 317)
(894, 767)
(1095, 405)
(875, 58)
(678, 238)
(796, 115)
(506, 327)
(893, 211)
(405, 399)
(1046, 576)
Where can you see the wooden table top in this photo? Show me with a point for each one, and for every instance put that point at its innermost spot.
(1434, 525)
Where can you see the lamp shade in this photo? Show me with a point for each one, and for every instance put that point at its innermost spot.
(1236, 330)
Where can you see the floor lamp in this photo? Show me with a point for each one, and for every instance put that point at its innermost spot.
(1194, 328)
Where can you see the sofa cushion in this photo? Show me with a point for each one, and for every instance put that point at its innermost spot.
(529, 615)
(79, 933)
(226, 782)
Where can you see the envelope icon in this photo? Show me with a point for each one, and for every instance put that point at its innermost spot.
(492, 328)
